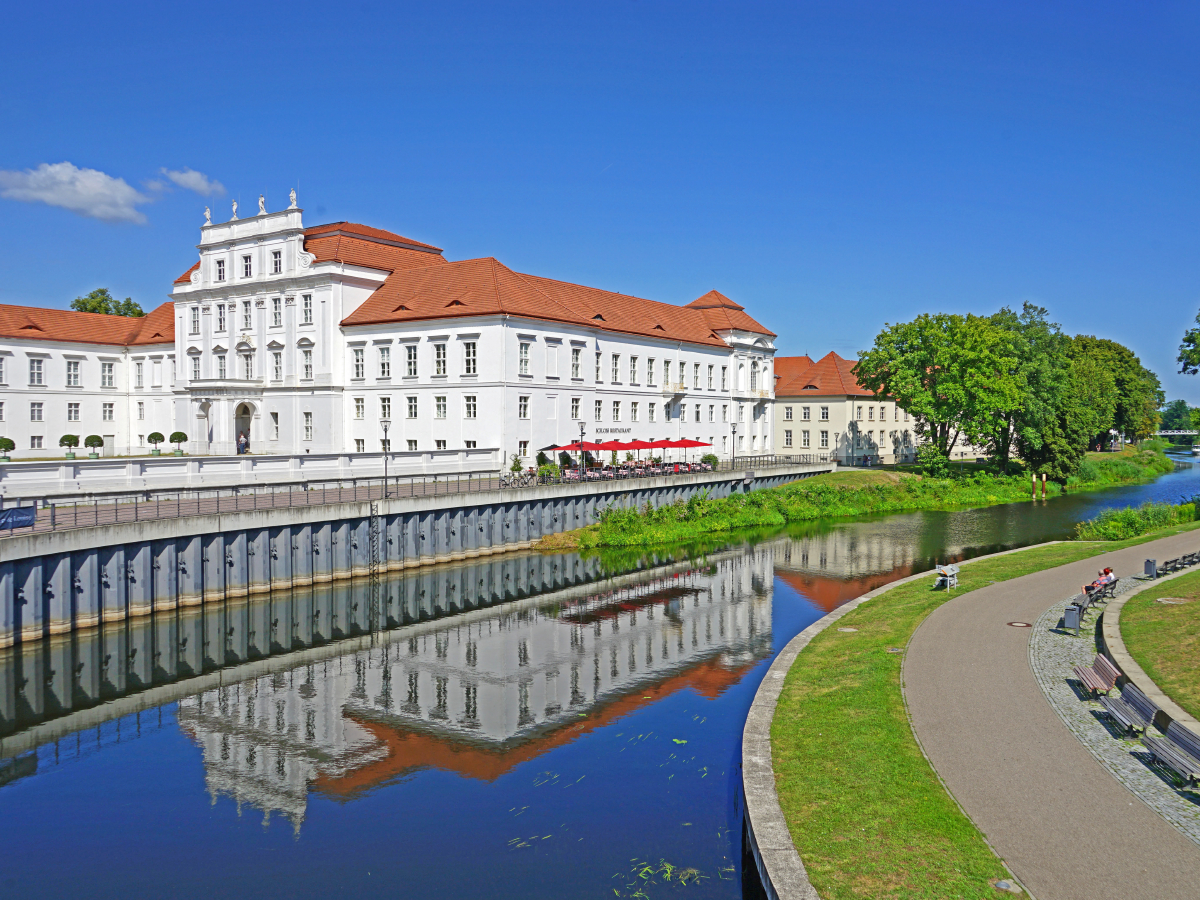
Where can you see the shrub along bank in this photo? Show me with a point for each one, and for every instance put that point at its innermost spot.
(1119, 524)
(848, 494)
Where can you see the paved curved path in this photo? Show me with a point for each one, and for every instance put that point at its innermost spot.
(1064, 825)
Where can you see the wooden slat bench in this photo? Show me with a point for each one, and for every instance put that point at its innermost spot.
(1100, 677)
(1179, 751)
(1133, 710)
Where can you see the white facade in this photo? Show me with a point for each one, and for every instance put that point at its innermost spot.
(847, 428)
(51, 388)
(264, 351)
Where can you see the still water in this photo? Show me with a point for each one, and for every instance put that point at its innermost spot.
(531, 726)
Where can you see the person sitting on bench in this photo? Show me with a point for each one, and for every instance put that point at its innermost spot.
(1105, 577)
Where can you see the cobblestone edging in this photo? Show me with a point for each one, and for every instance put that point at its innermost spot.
(1052, 654)
(780, 867)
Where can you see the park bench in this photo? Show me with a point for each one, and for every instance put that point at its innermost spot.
(1102, 594)
(1133, 710)
(1178, 751)
(1100, 677)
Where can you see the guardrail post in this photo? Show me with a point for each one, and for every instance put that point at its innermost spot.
(52, 523)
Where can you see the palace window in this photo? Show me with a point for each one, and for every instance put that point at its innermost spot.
(247, 366)
(274, 426)
(633, 370)
(276, 312)
(276, 262)
(523, 359)
(724, 412)
(523, 448)
(195, 320)
(306, 309)
(247, 268)
(385, 362)
(360, 407)
(724, 377)
(220, 270)
(35, 442)
(308, 364)
(469, 358)
(697, 413)
(870, 413)
(385, 444)
(439, 359)
(72, 412)
(412, 407)
(859, 416)
(412, 445)
(710, 377)
(576, 362)
(650, 412)
(385, 407)
(599, 357)
(106, 375)
(220, 365)
(359, 365)
(650, 370)
(73, 373)
(195, 368)
(712, 413)
(439, 407)
(469, 406)
(633, 411)
(787, 437)
(137, 374)
(666, 371)
(246, 315)
(805, 413)
(277, 365)
(824, 438)
(574, 407)
(470, 445)
(308, 426)
(616, 410)
(616, 367)
(410, 361)
(360, 445)
(439, 445)
(35, 412)
(220, 317)
(599, 410)
(787, 414)
(141, 410)
(696, 376)
(824, 413)
(106, 412)
(522, 407)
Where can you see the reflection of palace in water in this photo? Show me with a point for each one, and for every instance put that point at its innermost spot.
(481, 692)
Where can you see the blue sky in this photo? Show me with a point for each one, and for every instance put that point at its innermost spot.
(831, 166)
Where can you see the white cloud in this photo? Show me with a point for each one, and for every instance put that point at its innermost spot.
(195, 181)
(88, 192)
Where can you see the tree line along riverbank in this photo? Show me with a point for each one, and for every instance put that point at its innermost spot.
(845, 494)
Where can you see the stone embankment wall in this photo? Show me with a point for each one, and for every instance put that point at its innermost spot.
(63, 581)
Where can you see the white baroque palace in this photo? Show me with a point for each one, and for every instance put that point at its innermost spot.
(307, 340)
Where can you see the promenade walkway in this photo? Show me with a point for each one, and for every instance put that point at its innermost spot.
(1065, 826)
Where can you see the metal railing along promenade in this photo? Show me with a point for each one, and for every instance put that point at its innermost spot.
(119, 507)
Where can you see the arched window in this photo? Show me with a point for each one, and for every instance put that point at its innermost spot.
(754, 376)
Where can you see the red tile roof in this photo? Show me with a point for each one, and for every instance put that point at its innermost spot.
(366, 231)
(829, 376)
(67, 326)
(788, 367)
(476, 287)
(187, 276)
(722, 314)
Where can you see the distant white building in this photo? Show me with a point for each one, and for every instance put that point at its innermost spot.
(307, 339)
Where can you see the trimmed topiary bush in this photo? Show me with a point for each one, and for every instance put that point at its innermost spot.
(177, 438)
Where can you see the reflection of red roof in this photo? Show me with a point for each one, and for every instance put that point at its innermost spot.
(831, 375)
(830, 593)
(37, 323)
(410, 750)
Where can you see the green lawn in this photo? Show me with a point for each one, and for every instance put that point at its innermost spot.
(865, 809)
(1164, 638)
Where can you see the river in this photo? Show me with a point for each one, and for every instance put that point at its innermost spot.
(535, 726)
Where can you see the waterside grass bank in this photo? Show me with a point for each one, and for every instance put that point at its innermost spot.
(1164, 637)
(850, 493)
(866, 811)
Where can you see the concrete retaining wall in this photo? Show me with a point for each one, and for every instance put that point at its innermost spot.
(63, 581)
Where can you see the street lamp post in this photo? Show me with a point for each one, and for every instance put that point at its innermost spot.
(387, 451)
(733, 449)
(581, 467)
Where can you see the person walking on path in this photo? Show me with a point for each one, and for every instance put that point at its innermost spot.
(1026, 781)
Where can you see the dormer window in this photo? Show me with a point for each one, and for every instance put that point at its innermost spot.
(220, 270)
(276, 262)
(247, 268)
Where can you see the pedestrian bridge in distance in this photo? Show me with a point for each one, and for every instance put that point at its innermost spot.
(1173, 433)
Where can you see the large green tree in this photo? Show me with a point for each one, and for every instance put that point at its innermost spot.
(1136, 393)
(957, 376)
(101, 301)
(1042, 354)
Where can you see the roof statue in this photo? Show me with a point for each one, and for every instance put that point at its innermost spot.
(207, 216)
(262, 205)
(292, 197)
(234, 219)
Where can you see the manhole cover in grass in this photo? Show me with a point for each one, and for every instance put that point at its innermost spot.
(847, 629)
(895, 649)
(1020, 624)
(1174, 601)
